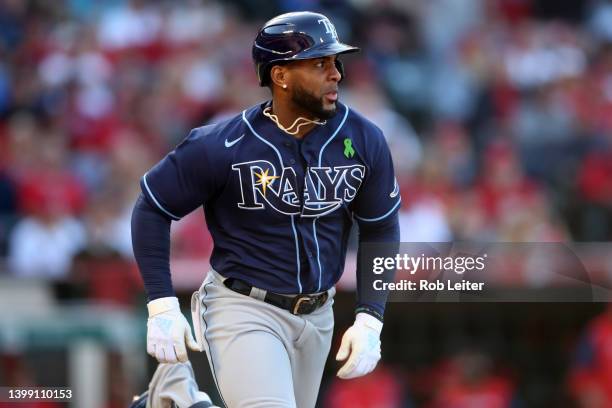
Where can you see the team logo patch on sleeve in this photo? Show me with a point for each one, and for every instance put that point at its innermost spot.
(326, 188)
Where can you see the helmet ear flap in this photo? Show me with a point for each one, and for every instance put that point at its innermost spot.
(263, 73)
(340, 69)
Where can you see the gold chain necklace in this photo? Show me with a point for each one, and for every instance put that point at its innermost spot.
(268, 112)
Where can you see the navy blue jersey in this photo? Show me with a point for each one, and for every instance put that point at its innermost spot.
(279, 209)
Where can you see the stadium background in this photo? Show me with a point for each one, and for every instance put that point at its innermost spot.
(499, 117)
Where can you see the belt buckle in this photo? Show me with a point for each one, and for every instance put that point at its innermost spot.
(304, 305)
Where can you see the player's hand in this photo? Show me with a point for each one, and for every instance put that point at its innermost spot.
(361, 344)
(167, 331)
(204, 400)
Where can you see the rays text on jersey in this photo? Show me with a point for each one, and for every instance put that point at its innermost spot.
(325, 188)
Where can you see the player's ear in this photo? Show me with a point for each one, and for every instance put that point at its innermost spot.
(279, 75)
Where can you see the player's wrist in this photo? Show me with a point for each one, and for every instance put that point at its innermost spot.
(370, 311)
(369, 321)
(162, 305)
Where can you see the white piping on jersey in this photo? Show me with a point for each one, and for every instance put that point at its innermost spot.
(297, 254)
(295, 237)
(346, 112)
(382, 216)
(314, 230)
(144, 179)
(314, 227)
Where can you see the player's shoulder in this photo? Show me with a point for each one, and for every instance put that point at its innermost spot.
(216, 132)
(204, 145)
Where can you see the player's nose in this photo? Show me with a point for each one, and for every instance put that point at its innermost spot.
(335, 74)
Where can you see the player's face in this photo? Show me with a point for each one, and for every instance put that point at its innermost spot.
(315, 85)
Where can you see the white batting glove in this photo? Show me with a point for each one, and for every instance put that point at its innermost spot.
(167, 331)
(361, 344)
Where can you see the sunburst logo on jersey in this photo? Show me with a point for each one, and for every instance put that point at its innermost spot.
(264, 180)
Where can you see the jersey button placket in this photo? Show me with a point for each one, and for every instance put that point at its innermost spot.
(292, 147)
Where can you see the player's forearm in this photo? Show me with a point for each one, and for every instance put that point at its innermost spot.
(382, 232)
(151, 243)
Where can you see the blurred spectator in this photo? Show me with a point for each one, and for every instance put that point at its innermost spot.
(48, 236)
(379, 389)
(595, 193)
(8, 209)
(424, 221)
(43, 245)
(468, 381)
(600, 20)
(102, 276)
(133, 24)
(368, 99)
(107, 222)
(590, 380)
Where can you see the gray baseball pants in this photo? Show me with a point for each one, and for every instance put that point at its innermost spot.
(261, 356)
(174, 385)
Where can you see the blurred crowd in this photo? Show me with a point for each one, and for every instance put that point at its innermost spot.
(498, 118)
(498, 114)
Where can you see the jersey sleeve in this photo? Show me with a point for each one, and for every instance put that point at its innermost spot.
(184, 179)
(379, 195)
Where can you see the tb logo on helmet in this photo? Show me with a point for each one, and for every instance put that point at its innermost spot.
(329, 27)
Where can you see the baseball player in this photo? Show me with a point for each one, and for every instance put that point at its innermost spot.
(281, 184)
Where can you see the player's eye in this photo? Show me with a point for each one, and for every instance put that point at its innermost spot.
(320, 64)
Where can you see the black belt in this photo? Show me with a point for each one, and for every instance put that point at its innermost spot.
(300, 304)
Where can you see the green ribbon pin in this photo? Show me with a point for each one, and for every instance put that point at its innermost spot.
(349, 152)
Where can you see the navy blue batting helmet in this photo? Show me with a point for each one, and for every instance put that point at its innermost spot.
(295, 36)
